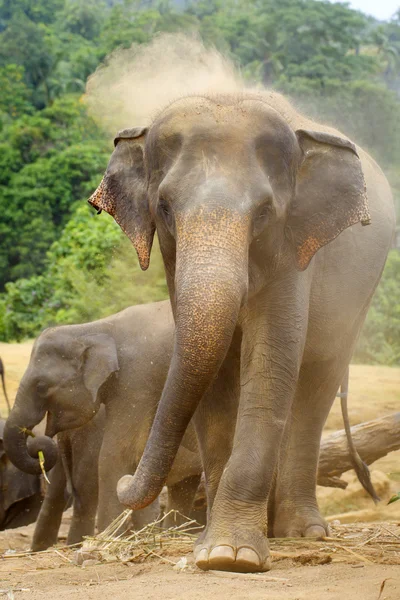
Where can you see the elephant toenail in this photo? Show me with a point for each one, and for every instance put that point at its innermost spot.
(201, 558)
(249, 557)
(222, 553)
(316, 531)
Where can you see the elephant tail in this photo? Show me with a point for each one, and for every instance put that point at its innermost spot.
(4, 385)
(359, 465)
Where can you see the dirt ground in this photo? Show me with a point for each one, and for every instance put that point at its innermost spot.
(359, 564)
(155, 581)
(354, 565)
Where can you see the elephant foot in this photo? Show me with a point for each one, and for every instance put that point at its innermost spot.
(229, 558)
(304, 522)
(44, 537)
(41, 545)
(242, 551)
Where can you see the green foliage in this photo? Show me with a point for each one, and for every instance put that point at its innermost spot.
(38, 11)
(50, 161)
(379, 342)
(59, 261)
(82, 18)
(90, 272)
(29, 45)
(300, 38)
(23, 308)
(15, 99)
(394, 498)
(366, 111)
(97, 294)
(126, 24)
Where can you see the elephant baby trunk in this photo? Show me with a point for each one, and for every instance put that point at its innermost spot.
(16, 433)
(210, 282)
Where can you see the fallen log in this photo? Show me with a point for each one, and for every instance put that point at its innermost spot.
(373, 440)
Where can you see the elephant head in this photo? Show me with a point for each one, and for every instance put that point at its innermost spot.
(63, 378)
(235, 193)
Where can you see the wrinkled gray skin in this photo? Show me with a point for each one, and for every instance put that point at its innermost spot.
(121, 362)
(73, 479)
(259, 216)
(20, 493)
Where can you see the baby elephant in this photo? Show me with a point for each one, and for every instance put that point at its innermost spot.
(120, 362)
(20, 493)
(73, 479)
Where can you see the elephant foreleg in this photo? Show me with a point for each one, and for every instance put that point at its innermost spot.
(272, 344)
(49, 519)
(215, 420)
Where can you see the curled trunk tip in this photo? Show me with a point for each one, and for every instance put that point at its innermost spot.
(23, 453)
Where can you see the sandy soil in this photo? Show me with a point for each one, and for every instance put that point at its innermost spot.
(15, 358)
(152, 582)
(351, 568)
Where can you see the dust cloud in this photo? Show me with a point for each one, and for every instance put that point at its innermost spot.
(134, 84)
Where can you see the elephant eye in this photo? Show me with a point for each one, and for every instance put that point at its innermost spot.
(164, 208)
(263, 212)
(260, 218)
(165, 212)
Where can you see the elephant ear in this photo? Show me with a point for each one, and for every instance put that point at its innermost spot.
(99, 360)
(122, 192)
(330, 193)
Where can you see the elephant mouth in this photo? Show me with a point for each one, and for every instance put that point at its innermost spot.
(58, 422)
(51, 425)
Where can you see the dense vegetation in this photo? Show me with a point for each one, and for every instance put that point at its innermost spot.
(59, 262)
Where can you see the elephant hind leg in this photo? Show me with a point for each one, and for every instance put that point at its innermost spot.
(293, 508)
(180, 499)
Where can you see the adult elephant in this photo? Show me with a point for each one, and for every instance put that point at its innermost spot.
(121, 363)
(259, 215)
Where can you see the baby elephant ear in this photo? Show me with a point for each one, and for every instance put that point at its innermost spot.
(122, 192)
(330, 193)
(99, 360)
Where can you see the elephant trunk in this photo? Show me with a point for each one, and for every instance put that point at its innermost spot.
(22, 454)
(211, 281)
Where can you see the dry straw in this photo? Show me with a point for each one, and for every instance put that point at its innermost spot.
(361, 544)
(117, 542)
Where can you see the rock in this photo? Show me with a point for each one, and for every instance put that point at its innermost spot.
(83, 555)
(181, 565)
(89, 562)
